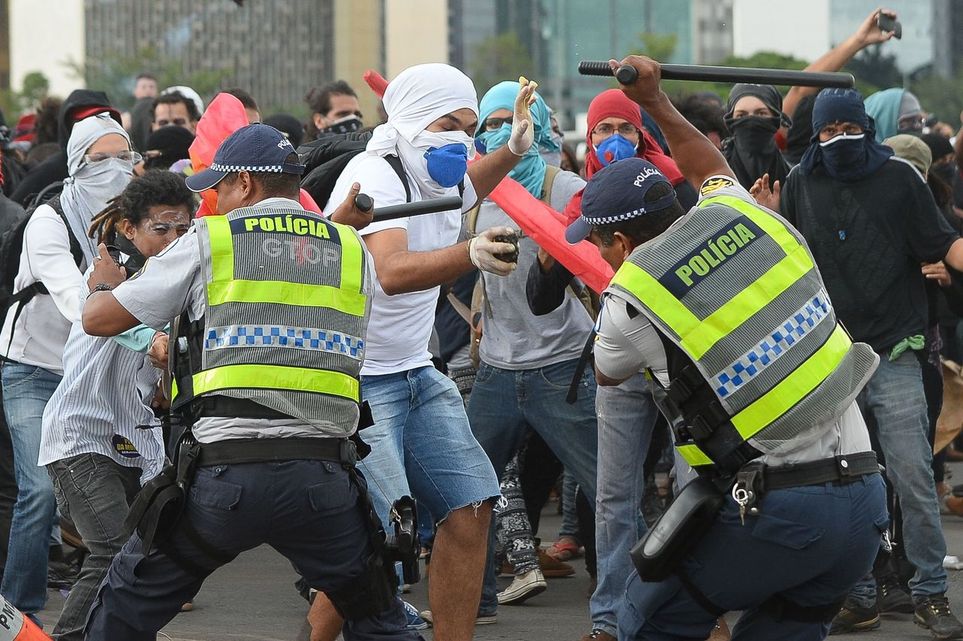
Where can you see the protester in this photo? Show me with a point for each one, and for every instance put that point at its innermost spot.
(895, 111)
(175, 109)
(656, 316)
(250, 106)
(100, 438)
(100, 163)
(863, 213)
(334, 109)
(138, 120)
(529, 359)
(753, 116)
(421, 153)
(164, 147)
(288, 125)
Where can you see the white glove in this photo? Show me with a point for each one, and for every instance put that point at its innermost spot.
(482, 250)
(523, 133)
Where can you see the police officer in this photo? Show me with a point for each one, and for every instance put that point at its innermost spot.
(273, 306)
(725, 310)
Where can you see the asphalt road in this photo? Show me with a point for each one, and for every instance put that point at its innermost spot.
(253, 598)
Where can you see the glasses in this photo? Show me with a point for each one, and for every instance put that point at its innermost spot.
(625, 129)
(911, 122)
(162, 229)
(491, 124)
(836, 128)
(130, 156)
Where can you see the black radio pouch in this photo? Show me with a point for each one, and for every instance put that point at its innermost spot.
(678, 530)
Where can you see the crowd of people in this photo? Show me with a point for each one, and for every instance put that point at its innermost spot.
(746, 302)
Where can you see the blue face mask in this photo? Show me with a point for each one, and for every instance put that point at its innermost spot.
(614, 148)
(447, 165)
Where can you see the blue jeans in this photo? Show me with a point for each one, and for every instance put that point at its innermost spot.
(894, 396)
(505, 404)
(306, 510)
(26, 390)
(421, 445)
(627, 415)
(807, 544)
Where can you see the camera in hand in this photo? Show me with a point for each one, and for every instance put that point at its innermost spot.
(402, 545)
(511, 239)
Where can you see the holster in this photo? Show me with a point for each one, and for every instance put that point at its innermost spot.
(159, 504)
(678, 530)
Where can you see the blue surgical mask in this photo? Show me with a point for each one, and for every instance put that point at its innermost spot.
(614, 148)
(447, 164)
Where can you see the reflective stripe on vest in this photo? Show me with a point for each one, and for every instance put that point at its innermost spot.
(291, 343)
(274, 377)
(758, 405)
(223, 288)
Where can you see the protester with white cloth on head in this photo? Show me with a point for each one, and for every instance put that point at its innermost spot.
(100, 164)
(421, 441)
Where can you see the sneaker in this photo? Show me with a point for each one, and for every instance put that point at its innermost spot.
(598, 635)
(933, 613)
(853, 618)
(565, 548)
(481, 619)
(523, 587)
(415, 622)
(551, 567)
(892, 598)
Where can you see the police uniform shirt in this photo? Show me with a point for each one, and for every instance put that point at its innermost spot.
(627, 343)
(171, 283)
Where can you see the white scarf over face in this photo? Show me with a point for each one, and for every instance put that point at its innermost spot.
(90, 186)
(417, 97)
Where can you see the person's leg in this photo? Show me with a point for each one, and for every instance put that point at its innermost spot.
(540, 470)
(229, 507)
(8, 487)
(92, 491)
(499, 428)
(626, 416)
(568, 530)
(390, 399)
(895, 397)
(451, 473)
(316, 522)
(26, 390)
(513, 529)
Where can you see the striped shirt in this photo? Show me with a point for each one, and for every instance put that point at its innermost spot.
(102, 406)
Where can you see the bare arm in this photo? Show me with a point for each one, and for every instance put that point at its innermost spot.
(696, 156)
(400, 270)
(104, 316)
(487, 172)
(954, 257)
(836, 58)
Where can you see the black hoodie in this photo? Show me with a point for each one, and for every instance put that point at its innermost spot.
(54, 168)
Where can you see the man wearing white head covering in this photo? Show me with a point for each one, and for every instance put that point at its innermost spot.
(100, 164)
(421, 441)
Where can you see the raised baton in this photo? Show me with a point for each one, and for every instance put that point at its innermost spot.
(627, 74)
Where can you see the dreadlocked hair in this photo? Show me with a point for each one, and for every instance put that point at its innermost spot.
(155, 187)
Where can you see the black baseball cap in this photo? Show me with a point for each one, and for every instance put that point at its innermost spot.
(257, 147)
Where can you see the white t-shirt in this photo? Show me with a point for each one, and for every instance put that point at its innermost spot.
(627, 342)
(400, 325)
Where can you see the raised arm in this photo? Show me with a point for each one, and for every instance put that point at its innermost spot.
(836, 58)
(695, 154)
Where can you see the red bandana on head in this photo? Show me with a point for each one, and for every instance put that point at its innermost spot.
(613, 103)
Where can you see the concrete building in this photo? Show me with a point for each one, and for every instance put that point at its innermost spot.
(49, 50)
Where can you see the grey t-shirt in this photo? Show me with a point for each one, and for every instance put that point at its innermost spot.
(513, 337)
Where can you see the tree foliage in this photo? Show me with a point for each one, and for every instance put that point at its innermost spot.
(498, 58)
(115, 74)
(763, 59)
(874, 70)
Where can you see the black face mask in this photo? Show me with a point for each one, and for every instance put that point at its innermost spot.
(135, 260)
(754, 134)
(343, 126)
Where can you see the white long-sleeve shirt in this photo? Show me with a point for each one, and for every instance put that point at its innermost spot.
(44, 322)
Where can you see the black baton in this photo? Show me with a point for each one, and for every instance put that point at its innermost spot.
(627, 74)
(364, 203)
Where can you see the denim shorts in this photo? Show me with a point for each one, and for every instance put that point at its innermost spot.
(422, 445)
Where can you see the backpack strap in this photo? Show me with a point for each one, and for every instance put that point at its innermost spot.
(395, 163)
(75, 249)
(551, 171)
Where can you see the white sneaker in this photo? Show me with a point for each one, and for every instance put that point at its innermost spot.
(523, 587)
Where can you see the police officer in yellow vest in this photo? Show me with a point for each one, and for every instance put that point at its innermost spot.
(724, 309)
(273, 304)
